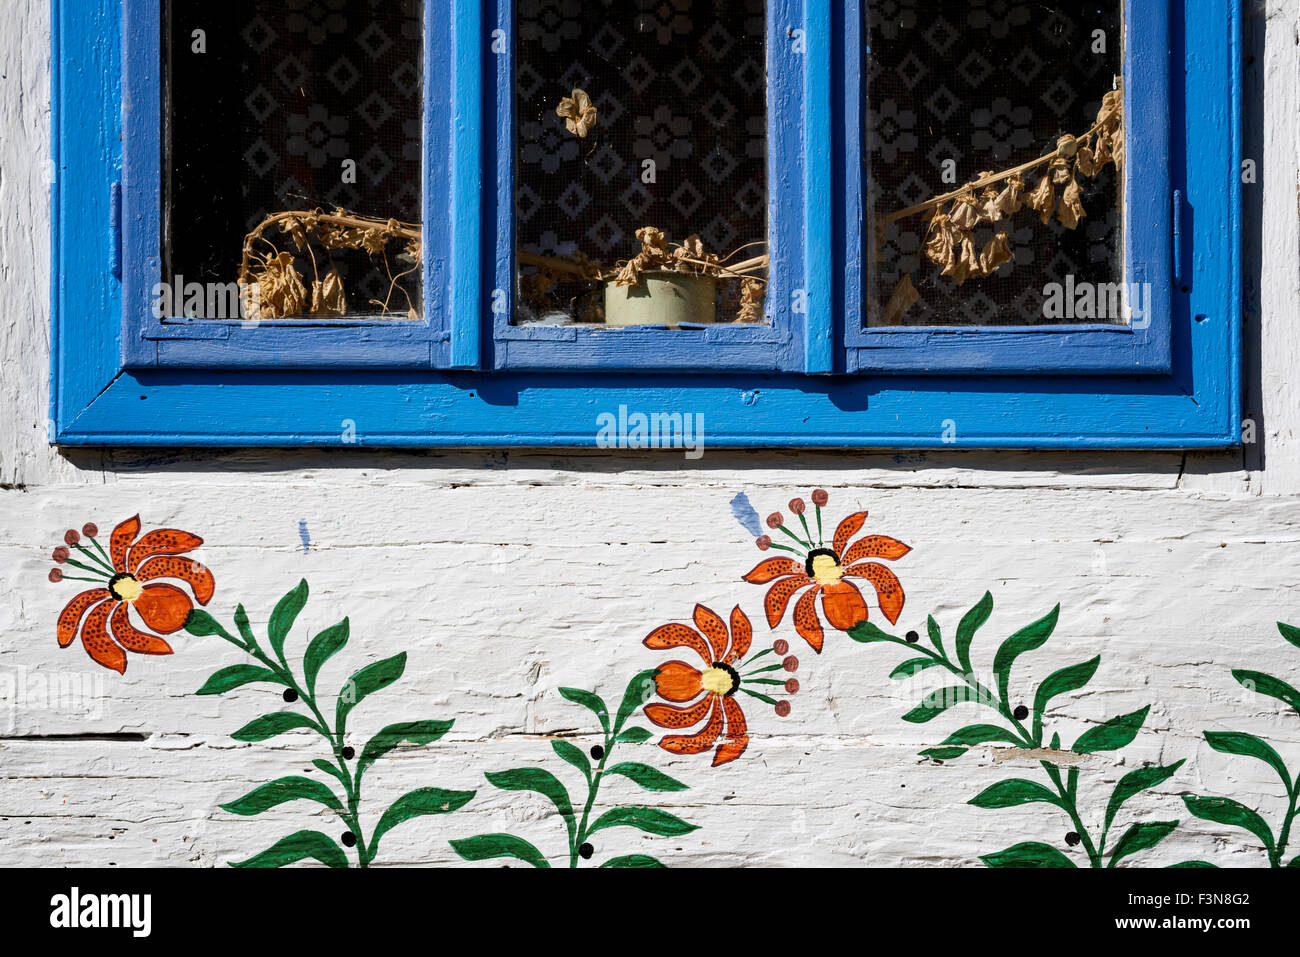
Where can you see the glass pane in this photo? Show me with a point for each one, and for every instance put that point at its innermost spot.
(961, 93)
(311, 108)
(641, 166)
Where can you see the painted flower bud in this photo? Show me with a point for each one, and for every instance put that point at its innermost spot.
(791, 664)
(56, 574)
(71, 536)
(792, 686)
(763, 542)
(90, 529)
(782, 709)
(775, 520)
(797, 506)
(61, 554)
(781, 646)
(820, 497)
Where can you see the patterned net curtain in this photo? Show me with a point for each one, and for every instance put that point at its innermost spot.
(679, 83)
(984, 85)
(263, 120)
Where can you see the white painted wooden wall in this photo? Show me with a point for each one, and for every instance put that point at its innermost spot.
(506, 575)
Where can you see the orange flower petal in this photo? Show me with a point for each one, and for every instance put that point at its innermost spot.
(843, 605)
(163, 607)
(73, 611)
(742, 634)
(889, 590)
(847, 529)
(875, 546)
(94, 638)
(736, 740)
(714, 628)
(120, 540)
(772, 568)
(677, 635)
(666, 716)
(696, 743)
(186, 569)
(778, 596)
(678, 681)
(132, 638)
(161, 541)
(806, 622)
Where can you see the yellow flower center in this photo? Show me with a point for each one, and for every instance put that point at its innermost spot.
(125, 588)
(718, 680)
(826, 570)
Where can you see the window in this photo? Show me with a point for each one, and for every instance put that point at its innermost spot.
(816, 223)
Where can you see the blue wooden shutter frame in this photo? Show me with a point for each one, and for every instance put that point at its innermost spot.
(94, 401)
(1144, 346)
(799, 194)
(180, 342)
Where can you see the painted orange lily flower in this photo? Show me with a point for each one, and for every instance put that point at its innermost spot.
(129, 571)
(723, 655)
(827, 570)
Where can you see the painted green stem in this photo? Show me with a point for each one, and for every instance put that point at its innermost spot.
(593, 787)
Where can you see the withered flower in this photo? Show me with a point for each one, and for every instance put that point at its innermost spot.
(1043, 199)
(578, 113)
(1071, 209)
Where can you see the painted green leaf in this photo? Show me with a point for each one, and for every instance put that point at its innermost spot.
(639, 691)
(936, 638)
(913, 666)
(284, 615)
(649, 819)
(319, 651)
(296, 847)
(1292, 634)
(1061, 682)
(573, 755)
(1113, 734)
(632, 860)
(541, 781)
(1267, 684)
(652, 779)
(200, 624)
(634, 736)
(373, 677)
(236, 676)
(417, 803)
(592, 702)
(280, 791)
(417, 733)
(955, 745)
(1012, 793)
(866, 632)
(245, 629)
(1141, 837)
(1136, 781)
(1189, 864)
(969, 624)
(1029, 638)
(1247, 745)
(1223, 810)
(330, 768)
(937, 702)
(485, 847)
(269, 725)
(1028, 854)
(1295, 862)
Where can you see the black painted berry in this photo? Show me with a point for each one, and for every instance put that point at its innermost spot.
(349, 839)
(290, 695)
(1021, 713)
(349, 753)
(1072, 838)
(597, 752)
(586, 851)
(912, 637)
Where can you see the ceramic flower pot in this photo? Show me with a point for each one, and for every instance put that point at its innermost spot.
(662, 298)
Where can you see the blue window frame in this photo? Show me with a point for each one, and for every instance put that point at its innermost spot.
(447, 381)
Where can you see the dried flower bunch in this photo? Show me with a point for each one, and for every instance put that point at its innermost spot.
(272, 288)
(993, 197)
(578, 113)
